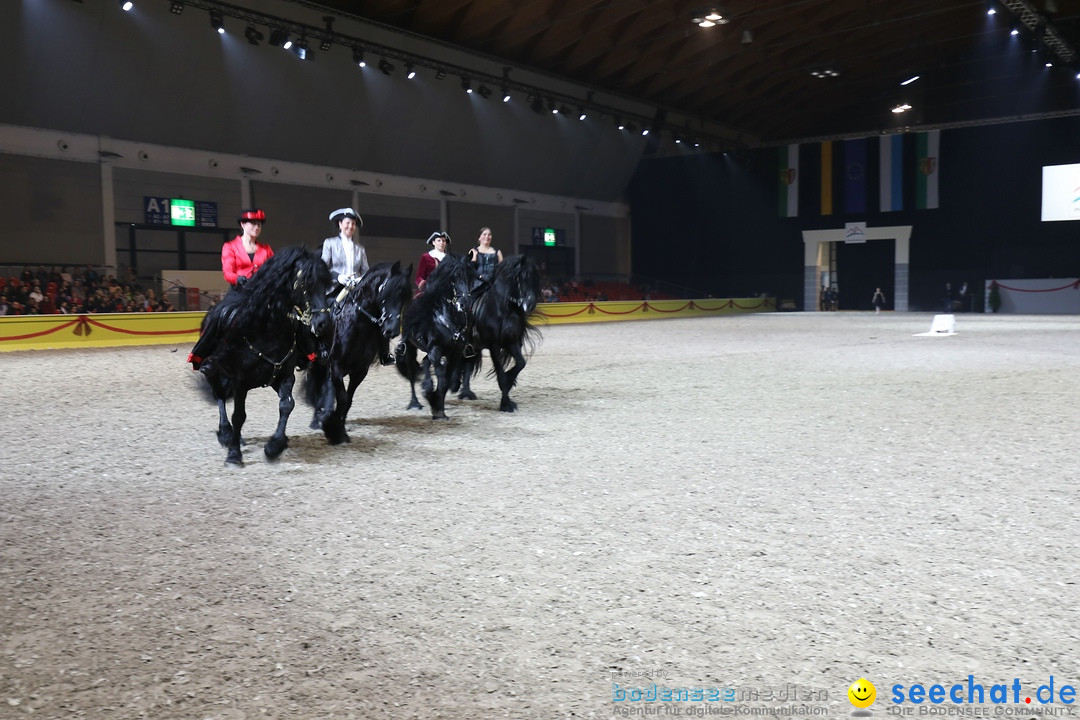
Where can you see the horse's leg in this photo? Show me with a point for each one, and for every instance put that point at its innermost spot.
(508, 379)
(467, 369)
(354, 382)
(278, 441)
(323, 405)
(334, 424)
(435, 391)
(224, 430)
(414, 370)
(239, 415)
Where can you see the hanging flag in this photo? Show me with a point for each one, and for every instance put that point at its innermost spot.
(855, 176)
(891, 148)
(926, 180)
(789, 180)
(826, 177)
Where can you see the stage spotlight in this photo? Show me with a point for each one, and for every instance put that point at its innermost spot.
(581, 113)
(991, 7)
(253, 36)
(385, 66)
(466, 85)
(553, 107)
(410, 71)
(644, 132)
(217, 22)
(484, 91)
(177, 8)
(301, 50)
(278, 37)
(325, 44)
(358, 57)
(620, 124)
(126, 5)
(440, 74)
(536, 104)
(506, 94)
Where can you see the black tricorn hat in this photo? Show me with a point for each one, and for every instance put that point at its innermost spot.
(437, 234)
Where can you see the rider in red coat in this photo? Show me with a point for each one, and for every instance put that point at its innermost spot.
(240, 258)
(244, 254)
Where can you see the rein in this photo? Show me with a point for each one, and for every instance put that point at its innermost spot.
(279, 364)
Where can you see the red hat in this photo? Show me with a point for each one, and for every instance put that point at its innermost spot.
(252, 215)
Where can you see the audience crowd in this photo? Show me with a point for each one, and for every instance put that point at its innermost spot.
(55, 290)
(47, 291)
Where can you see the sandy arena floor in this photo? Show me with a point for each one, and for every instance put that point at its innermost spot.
(753, 503)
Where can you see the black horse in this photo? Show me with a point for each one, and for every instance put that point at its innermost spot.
(364, 316)
(258, 335)
(439, 322)
(501, 324)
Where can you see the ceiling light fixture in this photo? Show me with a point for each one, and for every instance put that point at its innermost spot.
(217, 22)
(126, 5)
(711, 19)
(385, 66)
(410, 71)
(301, 50)
(910, 80)
(440, 74)
(506, 94)
(903, 107)
(484, 91)
(466, 85)
(177, 8)
(253, 35)
(358, 57)
(581, 113)
(325, 43)
(277, 37)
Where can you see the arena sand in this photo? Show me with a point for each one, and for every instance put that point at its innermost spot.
(767, 506)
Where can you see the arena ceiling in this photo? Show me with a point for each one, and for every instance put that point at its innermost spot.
(775, 70)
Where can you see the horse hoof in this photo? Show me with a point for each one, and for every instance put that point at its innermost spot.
(508, 406)
(414, 405)
(467, 395)
(234, 460)
(337, 438)
(274, 449)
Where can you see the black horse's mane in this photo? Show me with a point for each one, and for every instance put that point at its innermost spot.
(268, 295)
(510, 276)
(378, 275)
(445, 280)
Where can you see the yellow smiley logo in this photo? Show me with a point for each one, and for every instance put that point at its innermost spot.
(862, 693)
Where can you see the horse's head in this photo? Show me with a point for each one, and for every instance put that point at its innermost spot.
(394, 294)
(310, 281)
(517, 282)
(457, 281)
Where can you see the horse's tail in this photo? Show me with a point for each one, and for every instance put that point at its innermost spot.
(404, 351)
(207, 388)
(314, 381)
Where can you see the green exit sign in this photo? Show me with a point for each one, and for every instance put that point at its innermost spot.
(182, 212)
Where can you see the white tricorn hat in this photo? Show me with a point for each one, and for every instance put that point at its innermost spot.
(342, 213)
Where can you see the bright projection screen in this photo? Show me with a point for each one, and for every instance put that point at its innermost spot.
(1061, 192)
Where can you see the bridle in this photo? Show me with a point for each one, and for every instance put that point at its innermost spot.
(304, 316)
